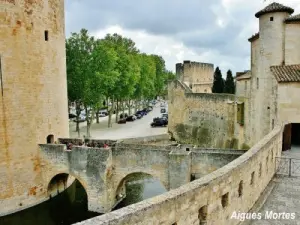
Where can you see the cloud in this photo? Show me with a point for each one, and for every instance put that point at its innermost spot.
(214, 31)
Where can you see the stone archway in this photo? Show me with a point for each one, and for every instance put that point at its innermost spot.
(134, 178)
(50, 139)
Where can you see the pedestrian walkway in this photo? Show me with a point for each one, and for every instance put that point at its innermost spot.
(285, 196)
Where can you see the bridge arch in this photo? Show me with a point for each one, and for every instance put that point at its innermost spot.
(120, 191)
(61, 181)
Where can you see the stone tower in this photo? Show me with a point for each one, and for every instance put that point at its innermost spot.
(198, 76)
(33, 95)
(271, 52)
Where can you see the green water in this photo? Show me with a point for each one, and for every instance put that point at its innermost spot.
(71, 206)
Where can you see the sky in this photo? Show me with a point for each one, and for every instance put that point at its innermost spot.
(210, 31)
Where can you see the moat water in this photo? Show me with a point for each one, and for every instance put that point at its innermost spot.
(71, 206)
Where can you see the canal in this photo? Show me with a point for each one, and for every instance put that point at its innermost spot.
(71, 206)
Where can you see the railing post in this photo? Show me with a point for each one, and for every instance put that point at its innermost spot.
(290, 167)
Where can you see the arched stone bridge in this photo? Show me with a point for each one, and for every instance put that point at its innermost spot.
(103, 171)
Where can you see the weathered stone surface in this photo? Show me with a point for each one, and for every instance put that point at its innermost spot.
(181, 205)
(33, 95)
(103, 171)
(198, 76)
(206, 120)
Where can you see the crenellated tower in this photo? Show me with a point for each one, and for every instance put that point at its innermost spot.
(33, 95)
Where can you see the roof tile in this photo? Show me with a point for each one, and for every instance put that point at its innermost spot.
(274, 7)
(292, 19)
(290, 73)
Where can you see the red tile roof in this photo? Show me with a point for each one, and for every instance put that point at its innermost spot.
(289, 73)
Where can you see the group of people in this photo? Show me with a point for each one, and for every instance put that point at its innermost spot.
(88, 144)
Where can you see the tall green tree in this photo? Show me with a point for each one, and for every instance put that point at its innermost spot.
(229, 83)
(78, 51)
(126, 67)
(218, 85)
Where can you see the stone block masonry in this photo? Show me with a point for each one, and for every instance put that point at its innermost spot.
(206, 120)
(103, 171)
(210, 200)
(33, 95)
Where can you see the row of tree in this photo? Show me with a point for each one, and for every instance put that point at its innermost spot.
(223, 86)
(112, 70)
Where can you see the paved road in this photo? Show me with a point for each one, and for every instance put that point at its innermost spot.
(138, 128)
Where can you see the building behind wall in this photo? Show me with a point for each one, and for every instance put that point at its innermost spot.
(33, 95)
(197, 76)
(266, 95)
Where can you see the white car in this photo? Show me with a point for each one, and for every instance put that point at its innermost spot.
(102, 114)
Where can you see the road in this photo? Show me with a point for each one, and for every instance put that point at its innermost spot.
(138, 128)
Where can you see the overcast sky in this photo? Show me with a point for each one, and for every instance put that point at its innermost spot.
(211, 31)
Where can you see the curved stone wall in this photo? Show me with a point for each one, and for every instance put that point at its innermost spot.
(213, 198)
(33, 95)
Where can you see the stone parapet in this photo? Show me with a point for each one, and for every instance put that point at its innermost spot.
(213, 198)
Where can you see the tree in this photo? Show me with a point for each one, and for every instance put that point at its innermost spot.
(78, 50)
(218, 85)
(126, 67)
(229, 83)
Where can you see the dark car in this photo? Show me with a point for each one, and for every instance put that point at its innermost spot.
(141, 112)
(159, 122)
(163, 110)
(131, 118)
(123, 116)
(147, 110)
(165, 115)
(138, 116)
(72, 116)
(122, 121)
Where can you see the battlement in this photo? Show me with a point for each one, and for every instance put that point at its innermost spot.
(193, 63)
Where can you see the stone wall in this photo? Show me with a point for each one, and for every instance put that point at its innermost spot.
(205, 161)
(206, 120)
(33, 95)
(213, 198)
(92, 167)
(147, 139)
(292, 39)
(103, 171)
(288, 102)
(198, 75)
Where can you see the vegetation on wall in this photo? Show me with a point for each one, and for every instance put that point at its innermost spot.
(112, 73)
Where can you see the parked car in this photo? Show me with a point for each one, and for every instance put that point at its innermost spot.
(72, 116)
(138, 116)
(165, 115)
(141, 112)
(159, 122)
(131, 118)
(82, 118)
(163, 110)
(122, 121)
(122, 116)
(102, 114)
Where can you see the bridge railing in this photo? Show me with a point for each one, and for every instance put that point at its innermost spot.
(287, 166)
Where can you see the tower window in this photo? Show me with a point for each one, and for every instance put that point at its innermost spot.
(271, 18)
(46, 35)
(257, 83)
